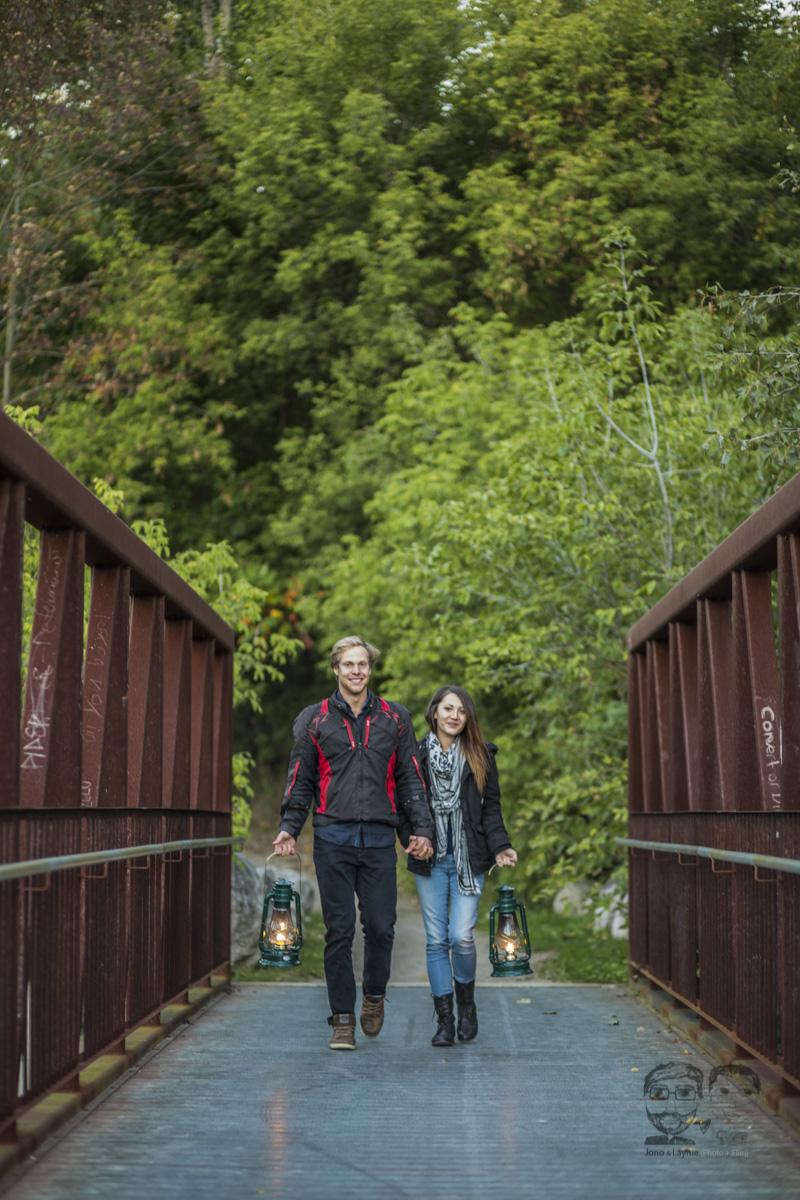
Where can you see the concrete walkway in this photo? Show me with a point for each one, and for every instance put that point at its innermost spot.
(247, 1101)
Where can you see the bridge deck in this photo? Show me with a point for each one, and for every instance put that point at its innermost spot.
(248, 1101)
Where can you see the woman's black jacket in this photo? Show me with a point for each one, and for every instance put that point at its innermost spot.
(482, 816)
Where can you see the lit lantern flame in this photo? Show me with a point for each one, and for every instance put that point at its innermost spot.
(281, 931)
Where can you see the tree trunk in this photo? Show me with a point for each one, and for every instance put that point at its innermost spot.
(208, 25)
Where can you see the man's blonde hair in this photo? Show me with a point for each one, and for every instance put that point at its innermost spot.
(346, 642)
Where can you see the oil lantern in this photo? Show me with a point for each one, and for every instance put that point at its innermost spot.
(509, 944)
(281, 927)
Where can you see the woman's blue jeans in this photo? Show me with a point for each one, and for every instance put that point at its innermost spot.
(449, 921)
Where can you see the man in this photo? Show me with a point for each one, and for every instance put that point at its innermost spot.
(355, 757)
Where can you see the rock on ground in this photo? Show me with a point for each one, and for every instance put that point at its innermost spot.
(247, 898)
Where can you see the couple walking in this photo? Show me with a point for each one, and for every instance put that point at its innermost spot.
(356, 759)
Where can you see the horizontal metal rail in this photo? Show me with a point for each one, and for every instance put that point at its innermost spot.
(65, 862)
(767, 861)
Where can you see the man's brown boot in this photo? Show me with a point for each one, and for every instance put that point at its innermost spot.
(344, 1032)
(371, 1015)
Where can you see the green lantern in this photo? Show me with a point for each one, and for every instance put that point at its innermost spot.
(281, 926)
(509, 944)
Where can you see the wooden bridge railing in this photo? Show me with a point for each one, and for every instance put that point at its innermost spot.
(120, 738)
(714, 762)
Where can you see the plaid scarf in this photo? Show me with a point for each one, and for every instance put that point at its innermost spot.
(446, 768)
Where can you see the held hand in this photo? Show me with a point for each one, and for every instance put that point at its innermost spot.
(419, 847)
(284, 844)
(506, 858)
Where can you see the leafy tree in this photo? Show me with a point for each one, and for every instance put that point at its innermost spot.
(539, 494)
(664, 117)
(135, 396)
(335, 238)
(96, 111)
(761, 350)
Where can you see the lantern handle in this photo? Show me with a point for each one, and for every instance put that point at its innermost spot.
(497, 864)
(294, 854)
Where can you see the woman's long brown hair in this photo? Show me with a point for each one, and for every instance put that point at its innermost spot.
(473, 743)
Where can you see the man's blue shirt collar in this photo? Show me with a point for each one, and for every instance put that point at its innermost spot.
(339, 698)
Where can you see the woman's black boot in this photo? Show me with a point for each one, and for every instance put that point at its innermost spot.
(467, 1012)
(446, 1030)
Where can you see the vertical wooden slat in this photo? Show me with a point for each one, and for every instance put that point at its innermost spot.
(757, 935)
(223, 730)
(107, 941)
(147, 918)
(176, 923)
(657, 745)
(683, 717)
(51, 983)
(202, 778)
(12, 942)
(789, 648)
(177, 713)
(635, 742)
(105, 691)
(637, 907)
(789, 901)
(716, 927)
(145, 702)
(715, 704)
(51, 723)
(201, 910)
(757, 742)
(683, 929)
(12, 525)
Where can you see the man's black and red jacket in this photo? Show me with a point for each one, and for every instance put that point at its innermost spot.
(355, 776)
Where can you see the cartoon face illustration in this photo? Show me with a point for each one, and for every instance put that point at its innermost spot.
(672, 1092)
(732, 1093)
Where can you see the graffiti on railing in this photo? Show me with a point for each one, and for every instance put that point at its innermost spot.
(37, 726)
(770, 733)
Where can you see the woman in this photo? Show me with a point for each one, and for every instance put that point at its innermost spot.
(461, 777)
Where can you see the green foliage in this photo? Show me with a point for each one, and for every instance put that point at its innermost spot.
(143, 367)
(97, 111)
(663, 117)
(539, 491)
(582, 954)
(242, 793)
(337, 239)
(761, 352)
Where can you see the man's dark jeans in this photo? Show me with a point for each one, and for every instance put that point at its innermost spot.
(344, 872)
